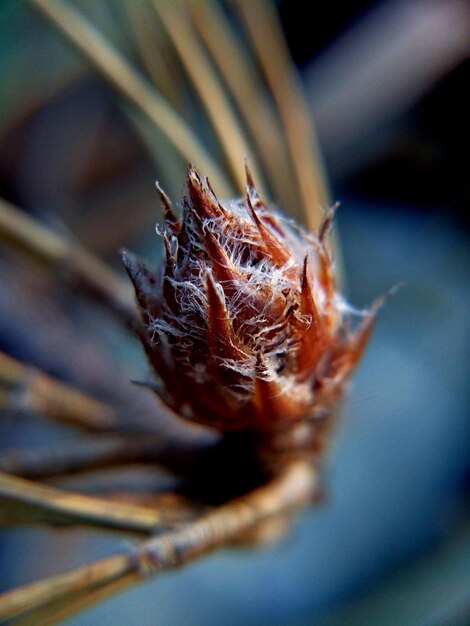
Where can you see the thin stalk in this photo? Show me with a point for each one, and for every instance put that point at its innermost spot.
(83, 579)
(80, 456)
(208, 87)
(292, 488)
(93, 453)
(73, 604)
(156, 58)
(238, 72)
(26, 388)
(262, 24)
(22, 499)
(132, 85)
(67, 257)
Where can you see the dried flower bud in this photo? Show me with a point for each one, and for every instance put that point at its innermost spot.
(242, 322)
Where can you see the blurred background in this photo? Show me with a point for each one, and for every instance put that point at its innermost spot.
(385, 83)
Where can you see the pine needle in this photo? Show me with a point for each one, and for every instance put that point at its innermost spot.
(238, 72)
(67, 257)
(29, 502)
(262, 24)
(200, 72)
(105, 451)
(26, 388)
(132, 85)
(157, 60)
(294, 487)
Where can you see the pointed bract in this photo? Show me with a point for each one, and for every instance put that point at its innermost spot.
(145, 284)
(171, 221)
(278, 253)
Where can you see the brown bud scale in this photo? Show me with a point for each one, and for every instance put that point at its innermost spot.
(242, 323)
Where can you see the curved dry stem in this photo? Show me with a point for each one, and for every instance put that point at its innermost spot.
(68, 258)
(129, 83)
(264, 29)
(26, 388)
(208, 87)
(80, 588)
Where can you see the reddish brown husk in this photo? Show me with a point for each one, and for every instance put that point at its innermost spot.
(242, 322)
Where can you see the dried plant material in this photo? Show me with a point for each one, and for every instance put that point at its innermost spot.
(244, 83)
(242, 323)
(206, 83)
(66, 256)
(128, 81)
(250, 340)
(175, 454)
(63, 595)
(265, 32)
(23, 501)
(25, 388)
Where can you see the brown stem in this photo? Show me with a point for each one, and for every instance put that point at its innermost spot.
(292, 488)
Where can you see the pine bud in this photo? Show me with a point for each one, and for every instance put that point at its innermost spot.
(242, 322)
